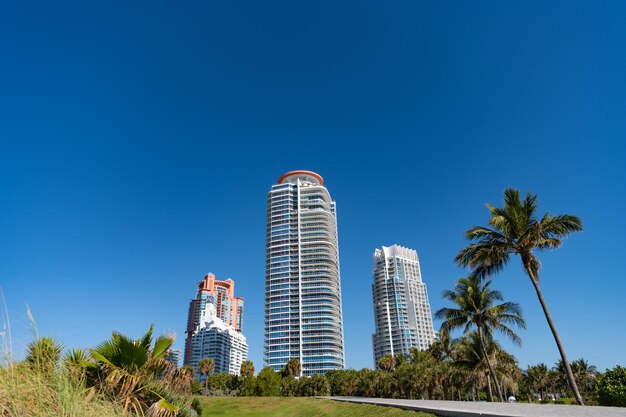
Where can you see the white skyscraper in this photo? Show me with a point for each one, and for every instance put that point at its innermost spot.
(401, 309)
(303, 316)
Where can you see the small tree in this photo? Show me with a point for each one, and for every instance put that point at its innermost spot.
(316, 385)
(268, 383)
(206, 366)
(611, 387)
(248, 387)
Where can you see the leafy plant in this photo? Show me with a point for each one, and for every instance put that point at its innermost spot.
(611, 388)
(130, 371)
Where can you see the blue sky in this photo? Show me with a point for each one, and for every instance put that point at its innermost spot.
(139, 140)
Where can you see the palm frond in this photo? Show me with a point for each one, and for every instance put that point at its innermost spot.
(508, 332)
(146, 340)
(548, 243)
(132, 355)
(560, 225)
(161, 346)
(479, 232)
(163, 408)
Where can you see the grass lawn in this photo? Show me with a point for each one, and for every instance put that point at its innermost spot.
(295, 407)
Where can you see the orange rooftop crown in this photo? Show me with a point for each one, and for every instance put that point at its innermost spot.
(301, 172)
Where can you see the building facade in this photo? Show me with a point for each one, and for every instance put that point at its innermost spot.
(228, 307)
(402, 315)
(219, 341)
(303, 316)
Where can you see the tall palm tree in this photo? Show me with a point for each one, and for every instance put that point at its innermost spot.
(515, 229)
(476, 307)
(206, 366)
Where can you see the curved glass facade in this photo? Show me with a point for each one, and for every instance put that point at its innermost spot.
(303, 316)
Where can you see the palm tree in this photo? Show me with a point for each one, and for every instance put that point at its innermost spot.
(470, 363)
(206, 366)
(539, 379)
(130, 371)
(585, 374)
(476, 307)
(516, 230)
(400, 358)
(247, 369)
(508, 371)
(430, 372)
(387, 363)
(441, 348)
(292, 368)
(188, 370)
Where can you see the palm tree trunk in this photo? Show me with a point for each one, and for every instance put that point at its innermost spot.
(557, 339)
(489, 390)
(491, 370)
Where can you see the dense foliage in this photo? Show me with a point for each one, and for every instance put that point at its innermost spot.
(611, 387)
(452, 369)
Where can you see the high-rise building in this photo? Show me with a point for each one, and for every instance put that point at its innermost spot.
(228, 308)
(401, 309)
(219, 341)
(303, 316)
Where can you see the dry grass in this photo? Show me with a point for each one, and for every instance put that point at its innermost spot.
(29, 392)
(25, 393)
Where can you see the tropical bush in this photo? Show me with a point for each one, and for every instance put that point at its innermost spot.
(611, 388)
(267, 383)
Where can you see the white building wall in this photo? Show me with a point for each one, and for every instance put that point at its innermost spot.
(216, 340)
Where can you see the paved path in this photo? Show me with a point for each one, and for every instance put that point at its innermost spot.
(484, 409)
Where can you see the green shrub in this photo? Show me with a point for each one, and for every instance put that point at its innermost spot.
(611, 388)
(316, 385)
(248, 386)
(43, 354)
(197, 406)
(268, 383)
